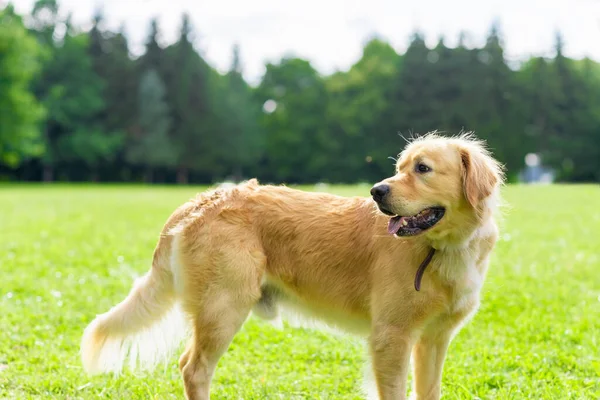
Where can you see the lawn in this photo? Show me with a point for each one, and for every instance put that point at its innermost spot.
(70, 252)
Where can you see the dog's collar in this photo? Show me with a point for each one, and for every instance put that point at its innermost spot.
(421, 269)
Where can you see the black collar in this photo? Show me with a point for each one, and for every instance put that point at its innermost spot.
(421, 269)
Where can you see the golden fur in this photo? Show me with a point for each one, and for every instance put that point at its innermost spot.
(253, 247)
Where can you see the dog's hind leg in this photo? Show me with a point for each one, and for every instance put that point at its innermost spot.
(211, 338)
(185, 356)
(221, 286)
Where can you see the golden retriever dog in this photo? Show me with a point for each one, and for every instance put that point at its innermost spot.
(404, 268)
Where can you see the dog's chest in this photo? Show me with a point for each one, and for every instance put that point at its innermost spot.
(460, 278)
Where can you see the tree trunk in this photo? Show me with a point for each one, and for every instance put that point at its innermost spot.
(182, 175)
(48, 173)
(94, 175)
(149, 175)
(237, 174)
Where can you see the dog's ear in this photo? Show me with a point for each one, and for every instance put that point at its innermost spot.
(481, 174)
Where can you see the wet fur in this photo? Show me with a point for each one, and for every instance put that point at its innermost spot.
(253, 247)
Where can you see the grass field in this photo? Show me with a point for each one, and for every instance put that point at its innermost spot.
(70, 252)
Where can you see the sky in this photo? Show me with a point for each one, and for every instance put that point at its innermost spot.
(331, 33)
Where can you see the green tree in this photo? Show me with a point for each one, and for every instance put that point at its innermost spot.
(576, 125)
(77, 109)
(73, 131)
(357, 101)
(191, 94)
(585, 150)
(19, 110)
(152, 148)
(109, 53)
(175, 113)
(498, 114)
(539, 99)
(456, 85)
(243, 136)
(297, 144)
(562, 103)
(44, 22)
(154, 53)
(409, 99)
(411, 107)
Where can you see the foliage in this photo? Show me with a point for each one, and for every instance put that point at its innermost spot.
(19, 109)
(295, 126)
(244, 140)
(75, 130)
(109, 53)
(297, 146)
(357, 100)
(152, 147)
(191, 94)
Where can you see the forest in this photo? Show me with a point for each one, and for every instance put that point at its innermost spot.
(75, 106)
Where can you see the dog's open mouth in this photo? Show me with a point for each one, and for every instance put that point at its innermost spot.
(412, 226)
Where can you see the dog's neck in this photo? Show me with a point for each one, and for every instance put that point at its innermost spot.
(461, 236)
(463, 265)
(457, 241)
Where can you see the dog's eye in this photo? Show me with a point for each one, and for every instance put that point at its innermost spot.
(422, 168)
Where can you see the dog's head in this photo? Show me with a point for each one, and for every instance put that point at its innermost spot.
(441, 185)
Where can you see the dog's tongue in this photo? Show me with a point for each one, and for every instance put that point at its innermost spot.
(394, 224)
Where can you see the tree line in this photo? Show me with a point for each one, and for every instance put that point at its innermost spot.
(76, 106)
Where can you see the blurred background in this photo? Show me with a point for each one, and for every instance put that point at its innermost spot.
(179, 91)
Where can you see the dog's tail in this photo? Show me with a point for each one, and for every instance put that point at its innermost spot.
(143, 328)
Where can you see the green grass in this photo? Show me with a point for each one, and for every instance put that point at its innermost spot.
(70, 252)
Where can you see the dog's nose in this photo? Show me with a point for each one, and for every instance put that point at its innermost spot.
(379, 191)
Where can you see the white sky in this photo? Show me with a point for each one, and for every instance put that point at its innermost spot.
(330, 33)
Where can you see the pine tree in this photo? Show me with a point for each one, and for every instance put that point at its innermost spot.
(245, 141)
(153, 147)
(575, 120)
(109, 53)
(415, 90)
(498, 118)
(585, 149)
(44, 19)
(154, 53)
(410, 99)
(195, 126)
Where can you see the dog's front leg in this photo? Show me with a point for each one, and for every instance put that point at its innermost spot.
(429, 354)
(428, 357)
(390, 351)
